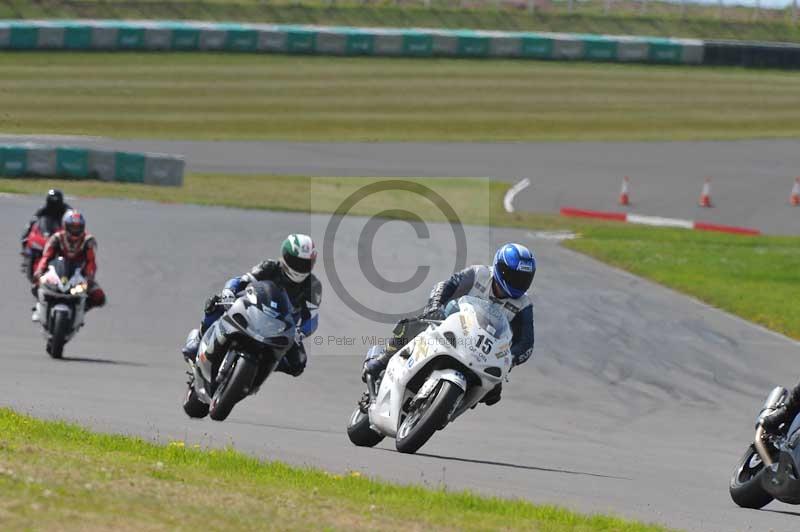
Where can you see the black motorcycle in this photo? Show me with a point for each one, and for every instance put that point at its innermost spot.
(258, 329)
(769, 468)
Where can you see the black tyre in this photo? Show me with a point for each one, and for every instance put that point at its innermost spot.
(359, 431)
(745, 488)
(236, 388)
(418, 427)
(193, 406)
(59, 335)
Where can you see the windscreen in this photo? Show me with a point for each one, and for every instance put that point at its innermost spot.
(489, 315)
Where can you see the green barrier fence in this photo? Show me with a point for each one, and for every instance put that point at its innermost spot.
(68, 162)
(267, 38)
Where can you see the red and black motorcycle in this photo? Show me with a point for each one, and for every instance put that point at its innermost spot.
(34, 241)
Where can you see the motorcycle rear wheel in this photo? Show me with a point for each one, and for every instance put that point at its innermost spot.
(359, 431)
(418, 427)
(59, 335)
(745, 487)
(236, 388)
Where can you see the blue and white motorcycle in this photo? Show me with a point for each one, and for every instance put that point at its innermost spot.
(258, 329)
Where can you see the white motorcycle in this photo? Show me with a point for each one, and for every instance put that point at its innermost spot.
(435, 378)
(61, 304)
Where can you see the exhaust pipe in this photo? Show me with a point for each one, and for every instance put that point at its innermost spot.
(761, 449)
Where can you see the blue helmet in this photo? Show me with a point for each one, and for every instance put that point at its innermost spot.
(513, 269)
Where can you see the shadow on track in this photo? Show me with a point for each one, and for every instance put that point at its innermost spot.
(514, 466)
(282, 427)
(101, 361)
(784, 512)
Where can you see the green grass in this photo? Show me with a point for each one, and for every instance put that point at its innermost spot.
(215, 96)
(757, 278)
(55, 475)
(663, 18)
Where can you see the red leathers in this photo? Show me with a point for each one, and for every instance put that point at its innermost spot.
(77, 249)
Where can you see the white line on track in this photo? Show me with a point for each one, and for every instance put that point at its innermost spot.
(508, 201)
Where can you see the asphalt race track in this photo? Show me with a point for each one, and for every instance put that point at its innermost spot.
(751, 179)
(638, 400)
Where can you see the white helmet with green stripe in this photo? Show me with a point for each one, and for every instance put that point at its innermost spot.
(298, 256)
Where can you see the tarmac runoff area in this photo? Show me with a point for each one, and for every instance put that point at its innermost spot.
(751, 180)
(638, 401)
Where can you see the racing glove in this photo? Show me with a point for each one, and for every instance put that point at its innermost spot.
(433, 312)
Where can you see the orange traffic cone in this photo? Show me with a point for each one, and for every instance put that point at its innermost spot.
(794, 199)
(705, 195)
(624, 198)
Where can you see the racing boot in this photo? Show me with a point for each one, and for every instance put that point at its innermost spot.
(493, 397)
(189, 350)
(785, 413)
(376, 365)
(403, 333)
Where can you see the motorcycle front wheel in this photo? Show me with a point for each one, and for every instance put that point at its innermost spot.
(234, 389)
(432, 415)
(745, 487)
(59, 335)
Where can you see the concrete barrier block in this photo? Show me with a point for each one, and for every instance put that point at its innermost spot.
(333, 43)
(163, 170)
(445, 44)
(50, 38)
(104, 38)
(241, 40)
(101, 165)
(388, 44)
(273, 40)
(13, 160)
(505, 46)
(212, 39)
(158, 38)
(41, 161)
(632, 50)
(72, 162)
(693, 53)
(565, 47)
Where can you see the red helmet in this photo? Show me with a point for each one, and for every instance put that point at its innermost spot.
(74, 225)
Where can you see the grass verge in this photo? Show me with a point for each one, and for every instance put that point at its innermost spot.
(218, 96)
(666, 19)
(55, 475)
(757, 278)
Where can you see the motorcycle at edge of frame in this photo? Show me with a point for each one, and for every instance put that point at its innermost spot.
(769, 467)
(258, 329)
(436, 377)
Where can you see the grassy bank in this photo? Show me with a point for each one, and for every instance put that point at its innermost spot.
(214, 96)
(663, 18)
(757, 278)
(55, 475)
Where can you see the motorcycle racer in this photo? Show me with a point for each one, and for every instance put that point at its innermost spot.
(77, 246)
(53, 211)
(292, 272)
(506, 283)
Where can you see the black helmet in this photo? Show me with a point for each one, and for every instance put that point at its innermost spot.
(55, 199)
